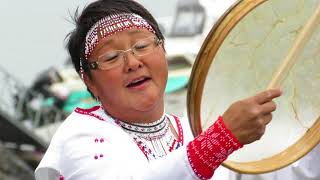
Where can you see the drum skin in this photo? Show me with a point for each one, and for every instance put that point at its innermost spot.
(239, 58)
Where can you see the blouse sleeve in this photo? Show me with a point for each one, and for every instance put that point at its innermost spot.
(48, 169)
(109, 154)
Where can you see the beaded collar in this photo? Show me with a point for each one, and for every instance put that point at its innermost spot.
(154, 139)
(148, 131)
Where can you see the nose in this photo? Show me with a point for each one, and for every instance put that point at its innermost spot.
(132, 63)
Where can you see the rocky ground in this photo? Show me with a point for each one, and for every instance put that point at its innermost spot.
(12, 168)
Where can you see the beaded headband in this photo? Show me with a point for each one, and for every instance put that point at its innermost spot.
(108, 26)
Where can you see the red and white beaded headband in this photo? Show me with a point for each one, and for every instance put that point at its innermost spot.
(110, 25)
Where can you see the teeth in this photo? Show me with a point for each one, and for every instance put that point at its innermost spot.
(135, 81)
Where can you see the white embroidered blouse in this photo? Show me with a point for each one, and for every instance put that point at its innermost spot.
(91, 145)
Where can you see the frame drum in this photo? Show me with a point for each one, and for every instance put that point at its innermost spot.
(238, 59)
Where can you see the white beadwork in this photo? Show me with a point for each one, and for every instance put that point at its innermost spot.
(110, 25)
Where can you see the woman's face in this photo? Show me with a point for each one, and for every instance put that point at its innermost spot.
(135, 88)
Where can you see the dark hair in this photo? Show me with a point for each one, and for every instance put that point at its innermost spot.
(93, 13)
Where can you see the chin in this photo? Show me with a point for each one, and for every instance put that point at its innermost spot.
(148, 103)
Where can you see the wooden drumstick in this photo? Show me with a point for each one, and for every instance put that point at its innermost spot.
(298, 46)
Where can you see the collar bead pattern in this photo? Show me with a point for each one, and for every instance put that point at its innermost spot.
(149, 131)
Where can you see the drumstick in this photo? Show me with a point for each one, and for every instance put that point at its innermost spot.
(299, 44)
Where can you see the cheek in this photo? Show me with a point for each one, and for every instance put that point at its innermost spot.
(164, 65)
(108, 82)
(160, 69)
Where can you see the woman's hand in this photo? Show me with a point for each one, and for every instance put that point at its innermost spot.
(247, 119)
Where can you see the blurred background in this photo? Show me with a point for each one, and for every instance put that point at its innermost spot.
(39, 88)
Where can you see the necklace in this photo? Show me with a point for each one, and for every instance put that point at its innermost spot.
(147, 131)
(154, 139)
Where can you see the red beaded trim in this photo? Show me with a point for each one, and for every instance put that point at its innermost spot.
(89, 112)
(112, 24)
(145, 150)
(180, 130)
(208, 150)
(172, 145)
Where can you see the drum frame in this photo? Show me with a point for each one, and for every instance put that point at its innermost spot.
(199, 73)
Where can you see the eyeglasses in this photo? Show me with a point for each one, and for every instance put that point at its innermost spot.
(115, 58)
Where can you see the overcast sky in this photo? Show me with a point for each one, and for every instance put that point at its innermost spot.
(32, 33)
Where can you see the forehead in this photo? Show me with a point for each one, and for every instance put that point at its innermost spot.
(119, 39)
(113, 24)
(130, 35)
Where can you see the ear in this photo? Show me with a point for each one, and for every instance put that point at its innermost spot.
(163, 47)
(89, 82)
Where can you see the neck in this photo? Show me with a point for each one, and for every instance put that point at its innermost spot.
(135, 116)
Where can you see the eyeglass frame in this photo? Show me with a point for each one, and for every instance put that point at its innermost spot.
(95, 65)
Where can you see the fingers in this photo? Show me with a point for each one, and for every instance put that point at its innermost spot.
(247, 119)
(260, 127)
(267, 96)
(268, 107)
(267, 118)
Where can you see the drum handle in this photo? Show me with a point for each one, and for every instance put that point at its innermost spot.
(298, 46)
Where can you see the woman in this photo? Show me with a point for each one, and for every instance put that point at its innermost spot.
(118, 50)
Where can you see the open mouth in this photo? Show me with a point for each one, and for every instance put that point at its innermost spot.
(138, 82)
